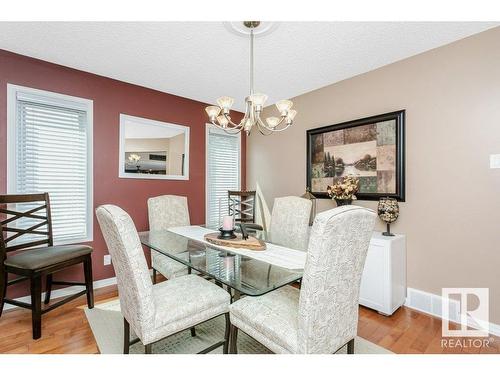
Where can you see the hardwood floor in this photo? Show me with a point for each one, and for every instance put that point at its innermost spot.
(65, 330)
(408, 331)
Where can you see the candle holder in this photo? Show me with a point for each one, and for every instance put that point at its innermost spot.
(388, 212)
(226, 234)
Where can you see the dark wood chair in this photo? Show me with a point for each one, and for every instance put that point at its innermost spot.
(37, 257)
(242, 206)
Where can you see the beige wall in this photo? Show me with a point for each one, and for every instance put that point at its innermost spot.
(452, 211)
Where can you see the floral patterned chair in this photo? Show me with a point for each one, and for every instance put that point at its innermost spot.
(156, 311)
(290, 222)
(164, 212)
(322, 316)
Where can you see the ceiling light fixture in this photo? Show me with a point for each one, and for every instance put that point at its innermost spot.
(254, 103)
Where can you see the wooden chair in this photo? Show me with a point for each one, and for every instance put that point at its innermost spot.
(242, 206)
(31, 260)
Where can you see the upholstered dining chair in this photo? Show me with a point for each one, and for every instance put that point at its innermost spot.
(164, 212)
(156, 311)
(322, 316)
(290, 222)
(27, 250)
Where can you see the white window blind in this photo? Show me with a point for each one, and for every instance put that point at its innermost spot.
(53, 154)
(223, 172)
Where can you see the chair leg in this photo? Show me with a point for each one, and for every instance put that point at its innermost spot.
(87, 270)
(193, 332)
(126, 336)
(147, 348)
(3, 288)
(36, 306)
(154, 276)
(350, 347)
(225, 349)
(233, 338)
(48, 289)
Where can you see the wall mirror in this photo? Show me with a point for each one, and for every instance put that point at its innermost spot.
(152, 149)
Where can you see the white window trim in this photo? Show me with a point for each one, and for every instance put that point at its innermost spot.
(70, 102)
(207, 130)
(142, 176)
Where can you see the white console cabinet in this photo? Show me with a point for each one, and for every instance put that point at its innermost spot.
(383, 285)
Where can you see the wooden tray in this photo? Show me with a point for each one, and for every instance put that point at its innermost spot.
(251, 243)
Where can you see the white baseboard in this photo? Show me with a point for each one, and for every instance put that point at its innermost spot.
(64, 292)
(431, 304)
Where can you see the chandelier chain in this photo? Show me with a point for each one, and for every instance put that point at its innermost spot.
(251, 61)
(254, 105)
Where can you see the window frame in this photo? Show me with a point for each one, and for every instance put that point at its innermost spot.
(65, 101)
(212, 127)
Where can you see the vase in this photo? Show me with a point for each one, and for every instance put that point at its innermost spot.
(343, 202)
(388, 212)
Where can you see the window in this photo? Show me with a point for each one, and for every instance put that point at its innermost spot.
(50, 150)
(223, 171)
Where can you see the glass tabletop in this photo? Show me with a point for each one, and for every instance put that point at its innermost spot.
(244, 274)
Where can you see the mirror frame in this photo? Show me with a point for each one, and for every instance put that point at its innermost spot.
(142, 120)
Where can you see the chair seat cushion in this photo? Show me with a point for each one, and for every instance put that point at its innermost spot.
(185, 301)
(46, 256)
(271, 319)
(168, 267)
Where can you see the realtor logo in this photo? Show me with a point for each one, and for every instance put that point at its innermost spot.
(472, 315)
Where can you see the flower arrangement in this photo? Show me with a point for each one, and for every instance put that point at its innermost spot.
(388, 211)
(134, 158)
(345, 189)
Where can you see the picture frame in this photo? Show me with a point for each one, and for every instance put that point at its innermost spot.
(371, 149)
(152, 149)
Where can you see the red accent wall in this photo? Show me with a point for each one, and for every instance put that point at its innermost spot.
(112, 97)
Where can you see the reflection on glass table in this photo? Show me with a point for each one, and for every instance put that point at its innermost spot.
(246, 275)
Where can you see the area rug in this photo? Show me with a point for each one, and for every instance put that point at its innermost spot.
(106, 323)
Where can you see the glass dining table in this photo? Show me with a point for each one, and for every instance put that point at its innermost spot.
(242, 274)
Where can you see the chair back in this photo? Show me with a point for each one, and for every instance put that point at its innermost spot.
(25, 218)
(329, 294)
(290, 222)
(262, 212)
(135, 288)
(167, 211)
(242, 206)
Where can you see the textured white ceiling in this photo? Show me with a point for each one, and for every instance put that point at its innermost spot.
(203, 60)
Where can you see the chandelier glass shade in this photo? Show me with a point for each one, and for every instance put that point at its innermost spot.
(219, 115)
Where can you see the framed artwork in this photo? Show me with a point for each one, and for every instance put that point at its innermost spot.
(372, 149)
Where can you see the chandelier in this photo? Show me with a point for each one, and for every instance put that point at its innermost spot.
(254, 103)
